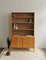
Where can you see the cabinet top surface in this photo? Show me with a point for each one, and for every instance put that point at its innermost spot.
(24, 36)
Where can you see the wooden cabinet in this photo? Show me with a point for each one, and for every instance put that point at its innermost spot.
(22, 30)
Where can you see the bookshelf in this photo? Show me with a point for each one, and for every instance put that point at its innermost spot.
(22, 27)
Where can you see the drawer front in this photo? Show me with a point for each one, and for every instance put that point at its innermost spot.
(16, 42)
(28, 42)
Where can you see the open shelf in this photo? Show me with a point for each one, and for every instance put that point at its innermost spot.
(22, 15)
(23, 22)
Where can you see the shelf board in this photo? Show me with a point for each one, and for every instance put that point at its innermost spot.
(23, 22)
(27, 17)
(23, 29)
(23, 36)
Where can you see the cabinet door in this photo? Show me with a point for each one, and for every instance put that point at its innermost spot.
(16, 42)
(28, 42)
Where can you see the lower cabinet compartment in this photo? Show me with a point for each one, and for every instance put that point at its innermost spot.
(22, 42)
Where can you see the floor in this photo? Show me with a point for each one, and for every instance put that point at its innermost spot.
(22, 54)
(44, 50)
(1, 49)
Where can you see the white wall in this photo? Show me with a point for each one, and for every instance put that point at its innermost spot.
(37, 6)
